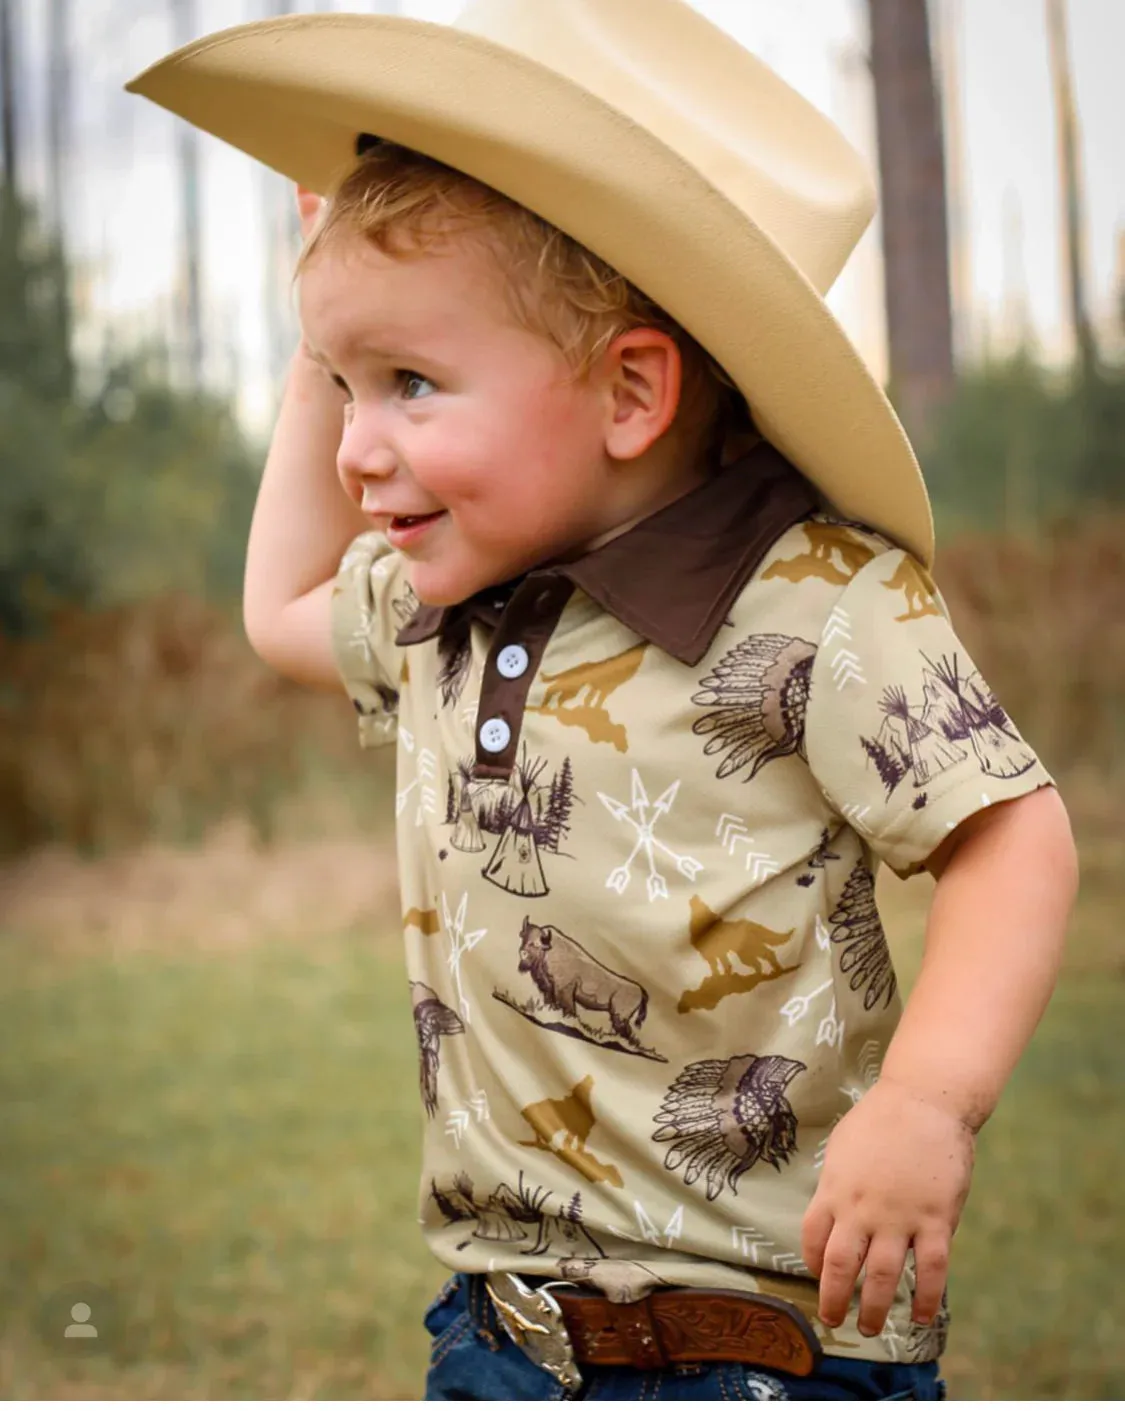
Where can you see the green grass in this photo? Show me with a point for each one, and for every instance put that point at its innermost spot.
(229, 1144)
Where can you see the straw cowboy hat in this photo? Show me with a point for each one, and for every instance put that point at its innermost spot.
(645, 133)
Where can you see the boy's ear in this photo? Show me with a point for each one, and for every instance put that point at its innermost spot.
(643, 376)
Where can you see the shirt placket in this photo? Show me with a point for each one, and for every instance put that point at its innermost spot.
(526, 625)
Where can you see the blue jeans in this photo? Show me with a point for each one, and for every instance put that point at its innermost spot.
(473, 1359)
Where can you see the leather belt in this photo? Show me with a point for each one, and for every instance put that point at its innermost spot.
(689, 1325)
(560, 1326)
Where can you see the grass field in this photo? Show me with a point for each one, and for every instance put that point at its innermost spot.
(225, 1137)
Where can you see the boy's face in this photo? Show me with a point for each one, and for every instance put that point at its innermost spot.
(465, 439)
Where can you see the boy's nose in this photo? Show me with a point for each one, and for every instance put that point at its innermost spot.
(363, 455)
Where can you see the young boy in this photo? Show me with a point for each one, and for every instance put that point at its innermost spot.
(662, 700)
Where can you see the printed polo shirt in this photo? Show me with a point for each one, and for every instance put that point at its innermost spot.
(641, 799)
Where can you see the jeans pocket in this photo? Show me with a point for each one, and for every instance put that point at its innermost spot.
(445, 1307)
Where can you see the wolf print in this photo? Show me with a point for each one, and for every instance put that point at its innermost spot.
(578, 696)
(835, 554)
(721, 943)
(562, 1126)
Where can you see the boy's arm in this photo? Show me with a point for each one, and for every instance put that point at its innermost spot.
(994, 944)
(302, 525)
(897, 1168)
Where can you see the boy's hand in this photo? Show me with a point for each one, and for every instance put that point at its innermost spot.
(896, 1174)
(308, 208)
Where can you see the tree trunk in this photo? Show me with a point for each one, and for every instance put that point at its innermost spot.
(1070, 181)
(184, 19)
(915, 233)
(58, 109)
(9, 111)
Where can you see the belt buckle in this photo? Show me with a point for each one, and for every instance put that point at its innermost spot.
(534, 1322)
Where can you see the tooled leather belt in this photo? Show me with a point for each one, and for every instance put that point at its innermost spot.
(689, 1325)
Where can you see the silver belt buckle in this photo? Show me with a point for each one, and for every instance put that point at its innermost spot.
(534, 1322)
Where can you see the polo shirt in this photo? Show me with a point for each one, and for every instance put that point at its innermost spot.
(641, 800)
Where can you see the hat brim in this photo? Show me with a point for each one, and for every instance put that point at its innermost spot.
(295, 92)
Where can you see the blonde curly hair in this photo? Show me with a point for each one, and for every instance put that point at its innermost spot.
(404, 202)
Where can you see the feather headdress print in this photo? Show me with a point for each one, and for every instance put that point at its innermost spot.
(857, 929)
(760, 691)
(722, 1116)
(455, 660)
(432, 1019)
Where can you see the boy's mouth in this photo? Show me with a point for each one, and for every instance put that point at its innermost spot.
(405, 529)
(409, 521)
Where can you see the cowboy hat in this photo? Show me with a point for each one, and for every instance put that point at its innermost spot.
(646, 134)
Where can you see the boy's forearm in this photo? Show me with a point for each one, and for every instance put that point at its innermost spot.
(994, 943)
(303, 521)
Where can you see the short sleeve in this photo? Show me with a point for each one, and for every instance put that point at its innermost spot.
(903, 735)
(371, 601)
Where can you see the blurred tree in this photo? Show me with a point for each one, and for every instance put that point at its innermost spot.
(1018, 447)
(58, 108)
(913, 206)
(42, 552)
(177, 483)
(135, 491)
(281, 230)
(34, 317)
(1119, 287)
(185, 22)
(9, 107)
(1070, 180)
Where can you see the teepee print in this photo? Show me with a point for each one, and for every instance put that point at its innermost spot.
(515, 865)
(905, 745)
(857, 930)
(963, 708)
(721, 1117)
(760, 691)
(528, 1215)
(467, 836)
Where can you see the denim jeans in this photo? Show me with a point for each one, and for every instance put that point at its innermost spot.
(473, 1359)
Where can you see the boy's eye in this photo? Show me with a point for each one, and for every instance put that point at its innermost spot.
(343, 386)
(413, 384)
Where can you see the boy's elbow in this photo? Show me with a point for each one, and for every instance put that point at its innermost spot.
(296, 640)
(256, 626)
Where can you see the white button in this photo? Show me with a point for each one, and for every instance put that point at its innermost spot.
(512, 662)
(495, 735)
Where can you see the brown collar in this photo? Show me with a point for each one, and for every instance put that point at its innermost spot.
(674, 577)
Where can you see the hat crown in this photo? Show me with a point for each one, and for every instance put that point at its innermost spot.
(670, 70)
(643, 132)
